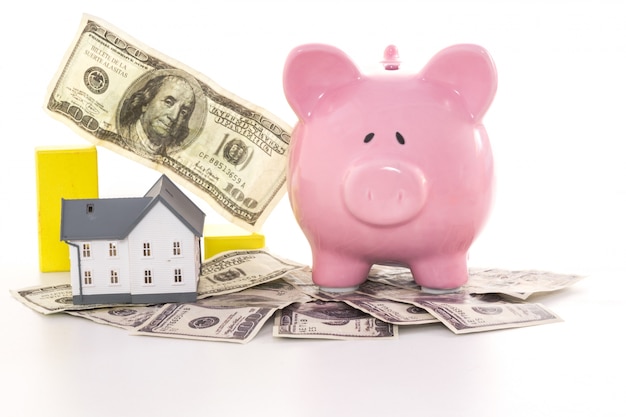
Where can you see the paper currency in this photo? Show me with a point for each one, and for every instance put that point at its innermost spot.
(121, 94)
(475, 317)
(278, 293)
(302, 279)
(234, 271)
(517, 284)
(50, 299)
(330, 320)
(241, 290)
(389, 311)
(462, 312)
(192, 321)
(125, 317)
(235, 317)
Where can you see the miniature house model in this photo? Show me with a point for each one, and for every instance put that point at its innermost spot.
(134, 250)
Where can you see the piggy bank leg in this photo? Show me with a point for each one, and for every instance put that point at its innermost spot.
(334, 272)
(441, 274)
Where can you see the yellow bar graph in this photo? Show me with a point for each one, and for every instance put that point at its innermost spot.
(69, 172)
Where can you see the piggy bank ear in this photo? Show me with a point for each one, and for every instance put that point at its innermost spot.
(311, 71)
(469, 70)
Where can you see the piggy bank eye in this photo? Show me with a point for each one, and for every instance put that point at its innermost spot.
(400, 138)
(368, 137)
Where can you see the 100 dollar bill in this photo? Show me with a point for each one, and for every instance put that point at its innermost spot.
(330, 320)
(120, 94)
(193, 321)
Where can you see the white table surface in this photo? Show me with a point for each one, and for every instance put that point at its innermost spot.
(557, 129)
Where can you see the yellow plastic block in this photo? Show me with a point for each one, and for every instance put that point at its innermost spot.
(61, 172)
(224, 237)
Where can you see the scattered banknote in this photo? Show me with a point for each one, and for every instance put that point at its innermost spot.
(127, 317)
(462, 312)
(50, 299)
(235, 317)
(301, 278)
(330, 320)
(278, 293)
(234, 271)
(389, 311)
(193, 321)
(120, 94)
(472, 317)
(517, 284)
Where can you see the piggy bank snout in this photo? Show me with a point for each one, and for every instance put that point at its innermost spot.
(384, 194)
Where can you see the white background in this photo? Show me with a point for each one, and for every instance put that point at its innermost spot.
(557, 131)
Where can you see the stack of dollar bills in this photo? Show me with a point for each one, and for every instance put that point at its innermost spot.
(266, 286)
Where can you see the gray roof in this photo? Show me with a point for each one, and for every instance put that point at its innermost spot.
(115, 218)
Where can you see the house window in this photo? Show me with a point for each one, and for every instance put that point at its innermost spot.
(176, 248)
(112, 249)
(86, 250)
(114, 277)
(87, 280)
(178, 275)
(147, 276)
(147, 251)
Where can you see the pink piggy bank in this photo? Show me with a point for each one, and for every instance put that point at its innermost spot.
(390, 168)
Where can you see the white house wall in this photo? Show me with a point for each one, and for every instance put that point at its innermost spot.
(100, 264)
(161, 228)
